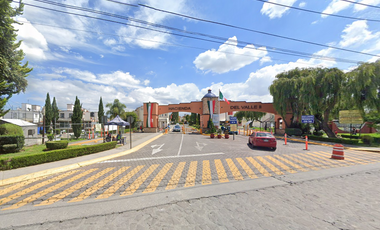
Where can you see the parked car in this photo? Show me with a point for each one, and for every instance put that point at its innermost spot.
(177, 128)
(262, 139)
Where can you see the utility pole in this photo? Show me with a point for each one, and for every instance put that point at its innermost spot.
(43, 129)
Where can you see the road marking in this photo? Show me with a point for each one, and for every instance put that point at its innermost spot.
(289, 170)
(200, 146)
(163, 157)
(37, 186)
(206, 175)
(234, 170)
(191, 174)
(270, 166)
(48, 190)
(157, 180)
(291, 163)
(246, 168)
(313, 160)
(222, 175)
(180, 146)
(350, 159)
(154, 151)
(261, 169)
(301, 162)
(137, 183)
(328, 155)
(18, 185)
(73, 188)
(329, 161)
(176, 176)
(100, 184)
(111, 190)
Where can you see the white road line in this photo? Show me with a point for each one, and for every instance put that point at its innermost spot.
(164, 157)
(180, 146)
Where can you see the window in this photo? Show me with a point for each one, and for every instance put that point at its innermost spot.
(62, 115)
(92, 114)
(70, 115)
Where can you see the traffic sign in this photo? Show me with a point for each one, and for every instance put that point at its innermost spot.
(307, 118)
(233, 120)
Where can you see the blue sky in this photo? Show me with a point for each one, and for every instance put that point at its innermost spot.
(90, 58)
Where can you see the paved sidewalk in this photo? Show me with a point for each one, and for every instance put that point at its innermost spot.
(137, 139)
(348, 201)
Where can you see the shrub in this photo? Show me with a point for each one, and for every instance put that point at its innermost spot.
(350, 136)
(51, 145)
(293, 131)
(335, 140)
(10, 129)
(376, 140)
(50, 137)
(318, 133)
(17, 140)
(54, 155)
(367, 139)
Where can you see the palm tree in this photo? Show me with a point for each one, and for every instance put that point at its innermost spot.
(115, 108)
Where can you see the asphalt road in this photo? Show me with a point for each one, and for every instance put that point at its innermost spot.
(174, 162)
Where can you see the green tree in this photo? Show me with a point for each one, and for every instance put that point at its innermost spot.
(249, 115)
(320, 91)
(193, 119)
(199, 119)
(132, 114)
(187, 117)
(308, 91)
(175, 117)
(55, 113)
(12, 72)
(239, 115)
(48, 113)
(101, 111)
(76, 118)
(115, 108)
(363, 87)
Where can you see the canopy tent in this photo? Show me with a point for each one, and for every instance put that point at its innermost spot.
(118, 121)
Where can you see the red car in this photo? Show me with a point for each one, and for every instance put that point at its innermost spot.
(262, 139)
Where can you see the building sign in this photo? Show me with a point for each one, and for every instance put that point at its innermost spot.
(350, 117)
(233, 120)
(179, 108)
(237, 107)
(307, 118)
(233, 127)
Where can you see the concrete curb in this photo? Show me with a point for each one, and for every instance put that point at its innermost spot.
(75, 165)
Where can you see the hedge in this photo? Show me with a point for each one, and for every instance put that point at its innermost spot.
(293, 131)
(10, 129)
(54, 155)
(52, 145)
(336, 140)
(350, 136)
(18, 140)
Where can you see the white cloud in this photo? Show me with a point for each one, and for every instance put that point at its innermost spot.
(335, 6)
(110, 42)
(359, 7)
(34, 43)
(356, 34)
(302, 4)
(151, 39)
(229, 57)
(276, 11)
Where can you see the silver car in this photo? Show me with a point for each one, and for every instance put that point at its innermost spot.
(177, 128)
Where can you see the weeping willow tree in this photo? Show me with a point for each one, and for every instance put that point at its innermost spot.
(363, 87)
(286, 96)
(321, 91)
(308, 91)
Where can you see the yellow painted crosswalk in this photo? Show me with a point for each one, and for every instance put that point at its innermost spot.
(102, 183)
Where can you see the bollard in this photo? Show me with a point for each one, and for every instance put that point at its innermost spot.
(306, 142)
(338, 152)
(285, 139)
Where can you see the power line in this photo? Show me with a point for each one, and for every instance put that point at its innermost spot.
(185, 46)
(318, 12)
(274, 49)
(357, 3)
(260, 32)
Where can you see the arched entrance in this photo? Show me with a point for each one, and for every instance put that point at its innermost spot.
(209, 103)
